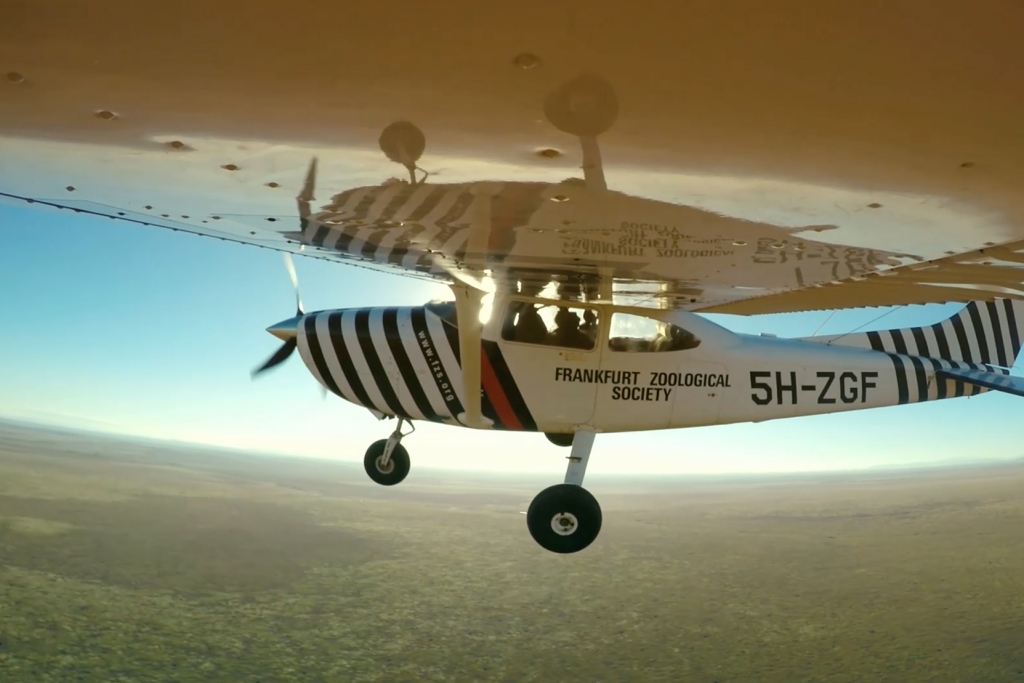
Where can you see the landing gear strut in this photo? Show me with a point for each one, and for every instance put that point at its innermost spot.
(566, 518)
(387, 461)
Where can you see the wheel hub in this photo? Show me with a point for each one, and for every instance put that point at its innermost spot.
(564, 523)
(382, 468)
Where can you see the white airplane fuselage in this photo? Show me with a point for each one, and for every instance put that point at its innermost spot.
(405, 362)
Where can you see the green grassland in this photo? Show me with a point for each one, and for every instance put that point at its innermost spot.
(124, 561)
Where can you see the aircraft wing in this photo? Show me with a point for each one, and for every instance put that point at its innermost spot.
(851, 157)
(980, 275)
(989, 380)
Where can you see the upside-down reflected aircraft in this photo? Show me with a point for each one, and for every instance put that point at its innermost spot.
(576, 304)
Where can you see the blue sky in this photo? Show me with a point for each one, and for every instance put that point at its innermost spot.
(134, 330)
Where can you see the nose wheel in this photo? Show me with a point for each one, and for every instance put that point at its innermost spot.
(566, 518)
(387, 461)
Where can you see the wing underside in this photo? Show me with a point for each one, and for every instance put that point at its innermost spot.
(580, 181)
(441, 233)
(981, 275)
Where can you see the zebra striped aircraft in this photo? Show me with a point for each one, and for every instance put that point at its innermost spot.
(574, 369)
(746, 190)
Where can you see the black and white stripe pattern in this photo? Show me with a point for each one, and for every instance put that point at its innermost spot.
(985, 336)
(984, 332)
(917, 378)
(406, 362)
(402, 224)
(997, 382)
(395, 361)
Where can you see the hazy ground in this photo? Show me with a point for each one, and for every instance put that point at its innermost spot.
(133, 562)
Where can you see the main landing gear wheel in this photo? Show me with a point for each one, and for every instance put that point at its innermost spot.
(585, 106)
(387, 473)
(564, 518)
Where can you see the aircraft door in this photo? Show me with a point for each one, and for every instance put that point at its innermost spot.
(550, 354)
(660, 382)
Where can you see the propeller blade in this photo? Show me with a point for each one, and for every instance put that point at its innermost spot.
(280, 356)
(286, 330)
(290, 267)
(306, 196)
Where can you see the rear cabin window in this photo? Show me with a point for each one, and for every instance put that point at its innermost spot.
(637, 333)
(550, 325)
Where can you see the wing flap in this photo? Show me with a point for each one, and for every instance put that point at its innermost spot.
(989, 380)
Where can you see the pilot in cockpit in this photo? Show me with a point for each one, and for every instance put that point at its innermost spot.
(567, 331)
(529, 326)
(673, 338)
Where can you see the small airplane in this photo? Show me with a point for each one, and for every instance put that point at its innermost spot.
(574, 369)
(576, 307)
(544, 346)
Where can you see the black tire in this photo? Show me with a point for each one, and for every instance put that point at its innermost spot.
(403, 142)
(585, 106)
(398, 466)
(564, 505)
(563, 440)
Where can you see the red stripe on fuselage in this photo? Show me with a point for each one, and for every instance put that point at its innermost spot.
(496, 394)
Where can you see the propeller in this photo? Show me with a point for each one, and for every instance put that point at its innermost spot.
(286, 330)
(280, 356)
(290, 267)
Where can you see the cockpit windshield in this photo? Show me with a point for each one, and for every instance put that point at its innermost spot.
(635, 333)
(550, 325)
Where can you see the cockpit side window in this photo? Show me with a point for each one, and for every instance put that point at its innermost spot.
(640, 334)
(550, 325)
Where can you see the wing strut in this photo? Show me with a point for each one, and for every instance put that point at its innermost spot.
(467, 306)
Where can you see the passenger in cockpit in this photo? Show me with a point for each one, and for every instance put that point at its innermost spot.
(530, 327)
(589, 326)
(567, 331)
